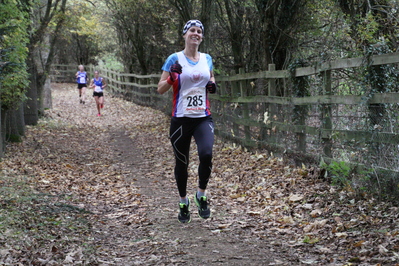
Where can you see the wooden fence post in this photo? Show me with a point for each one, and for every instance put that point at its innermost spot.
(326, 116)
(301, 137)
(124, 86)
(92, 69)
(111, 74)
(120, 80)
(221, 108)
(272, 81)
(245, 109)
(221, 88)
(144, 81)
(135, 89)
(235, 90)
(272, 106)
(117, 79)
(109, 79)
(272, 92)
(300, 112)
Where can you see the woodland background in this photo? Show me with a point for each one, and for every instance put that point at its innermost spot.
(76, 189)
(137, 36)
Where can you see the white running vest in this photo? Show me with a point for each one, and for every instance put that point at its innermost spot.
(190, 97)
(98, 83)
(81, 79)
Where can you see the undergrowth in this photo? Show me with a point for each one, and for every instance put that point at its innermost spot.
(47, 227)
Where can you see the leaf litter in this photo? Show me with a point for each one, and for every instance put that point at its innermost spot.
(87, 190)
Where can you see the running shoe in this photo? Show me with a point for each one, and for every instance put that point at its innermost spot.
(98, 114)
(83, 102)
(203, 210)
(184, 214)
(80, 101)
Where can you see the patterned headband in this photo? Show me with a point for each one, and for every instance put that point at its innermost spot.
(192, 23)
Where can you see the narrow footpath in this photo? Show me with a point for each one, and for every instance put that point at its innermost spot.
(104, 194)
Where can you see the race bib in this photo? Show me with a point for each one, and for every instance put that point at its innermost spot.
(194, 101)
(82, 80)
(98, 89)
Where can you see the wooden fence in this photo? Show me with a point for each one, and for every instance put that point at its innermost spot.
(259, 110)
(63, 73)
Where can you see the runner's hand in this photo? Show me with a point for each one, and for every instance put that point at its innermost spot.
(211, 87)
(174, 72)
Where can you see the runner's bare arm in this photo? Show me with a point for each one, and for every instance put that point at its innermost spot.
(212, 77)
(91, 84)
(104, 83)
(163, 85)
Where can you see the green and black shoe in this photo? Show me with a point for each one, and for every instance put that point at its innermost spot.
(203, 210)
(184, 214)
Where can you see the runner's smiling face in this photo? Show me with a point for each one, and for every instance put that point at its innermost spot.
(193, 35)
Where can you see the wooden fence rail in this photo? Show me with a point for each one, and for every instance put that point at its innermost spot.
(258, 110)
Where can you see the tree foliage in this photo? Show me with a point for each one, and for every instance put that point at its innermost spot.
(13, 53)
(142, 33)
(371, 21)
(238, 34)
(86, 36)
(47, 17)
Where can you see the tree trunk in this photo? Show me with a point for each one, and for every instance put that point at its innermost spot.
(31, 114)
(236, 29)
(20, 119)
(1, 134)
(206, 18)
(14, 124)
(40, 60)
(280, 21)
(184, 8)
(47, 100)
(40, 82)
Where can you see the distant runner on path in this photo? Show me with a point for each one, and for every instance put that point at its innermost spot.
(81, 79)
(98, 84)
(191, 75)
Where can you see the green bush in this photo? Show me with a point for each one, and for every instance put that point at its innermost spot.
(13, 53)
(339, 172)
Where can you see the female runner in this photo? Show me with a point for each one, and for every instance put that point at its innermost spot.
(81, 79)
(190, 73)
(98, 84)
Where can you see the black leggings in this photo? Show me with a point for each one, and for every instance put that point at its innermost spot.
(181, 131)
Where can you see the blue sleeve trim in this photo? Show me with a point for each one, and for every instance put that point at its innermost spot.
(169, 62)
(173, 58)
(210, 62)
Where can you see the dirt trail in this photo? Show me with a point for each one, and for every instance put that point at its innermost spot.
(193, 244)
(116, 173)
(164, 240)
(120, 168)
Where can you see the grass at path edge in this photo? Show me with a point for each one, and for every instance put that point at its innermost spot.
(48, 228)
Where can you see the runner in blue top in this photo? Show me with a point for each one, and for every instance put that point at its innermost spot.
(81, 79)
(98, 84)
(190, 73)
